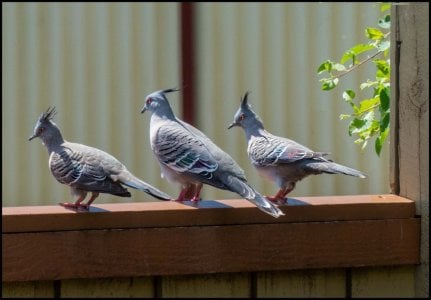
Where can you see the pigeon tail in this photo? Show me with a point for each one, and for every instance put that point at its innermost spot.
(122, 194)
(138, 184)
(334, 168)
(347, 171)
(242, 188)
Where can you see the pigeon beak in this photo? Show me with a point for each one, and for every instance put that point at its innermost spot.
(232, 125)
(143, 110)
(32, 137)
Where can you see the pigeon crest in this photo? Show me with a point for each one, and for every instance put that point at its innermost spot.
(48, 115)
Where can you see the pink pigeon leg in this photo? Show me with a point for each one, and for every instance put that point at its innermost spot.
(75, 205)
(281, 194)
(182, 195)
(196, 196)
(86, 206)
(277, 197)
(288, 190)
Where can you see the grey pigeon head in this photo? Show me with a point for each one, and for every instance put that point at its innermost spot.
(245, 117)
(157, 101)
(45, 128)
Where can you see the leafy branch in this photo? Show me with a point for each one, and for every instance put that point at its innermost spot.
(363, 120)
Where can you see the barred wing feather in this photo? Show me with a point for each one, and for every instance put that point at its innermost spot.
(267, 151)
(182, 152)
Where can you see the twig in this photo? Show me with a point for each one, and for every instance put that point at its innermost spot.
(357, 65)
(368, 109)
(362, 62)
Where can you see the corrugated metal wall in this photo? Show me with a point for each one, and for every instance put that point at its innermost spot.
(96, 62)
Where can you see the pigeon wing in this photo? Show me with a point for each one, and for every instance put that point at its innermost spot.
(181, 151)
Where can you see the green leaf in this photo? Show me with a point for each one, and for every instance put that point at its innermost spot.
(384, 100)
(369, 83)
(371, 125)
(380, 140)
(385, 22)
(384, 45)
(384, 134)
(374, 33)
(384, 122)
(382, 65)
(358, 49)
(367, 104)
(325, 66)
(348, 95)
(329, 84)
(369, 116)
(383, 69)
(355, 51)
(344, 116)
(386, 52)
(346, 56)
(338, 67)
(367, 133)
(378, 145)
(385, 6)
(356, 125)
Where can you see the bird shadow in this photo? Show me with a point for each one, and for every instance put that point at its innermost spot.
(196, 204)
(204, 204)
(295, 202)
(291, 202)
(217, 204)
(97, 209)
(83, 210)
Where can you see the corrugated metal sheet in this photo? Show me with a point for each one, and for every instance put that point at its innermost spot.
(96, 61)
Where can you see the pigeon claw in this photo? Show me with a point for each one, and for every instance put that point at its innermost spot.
(75, 206)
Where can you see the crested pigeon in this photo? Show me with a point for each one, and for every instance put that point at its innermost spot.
(279, 159)
(188, 157)
(86, 169)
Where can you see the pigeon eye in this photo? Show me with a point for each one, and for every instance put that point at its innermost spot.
(149, 101)
(241, 117)
(40, 129)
